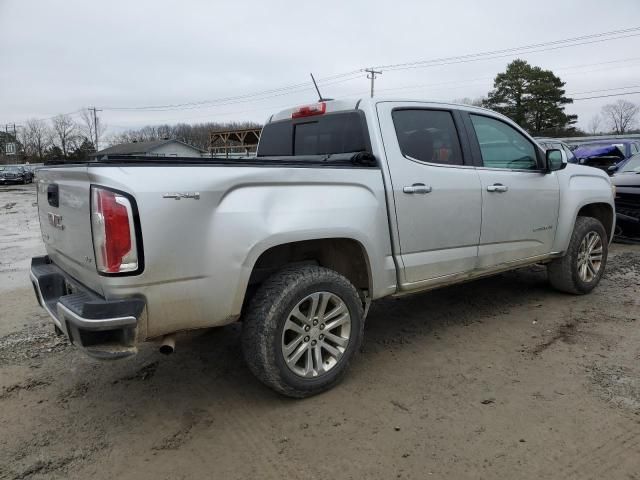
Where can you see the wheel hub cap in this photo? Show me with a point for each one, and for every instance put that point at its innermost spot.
(316, 334)
(590, 257)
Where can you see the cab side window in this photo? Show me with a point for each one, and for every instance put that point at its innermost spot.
(502, 146)
(428, 136)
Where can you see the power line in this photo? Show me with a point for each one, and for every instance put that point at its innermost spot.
(456, 62)
(274, 92)
(354, 74)
(610, 95)
(489, 55)
(44, 119)
(462, 83)
(604, 90)
(239, 99)
(514, 50)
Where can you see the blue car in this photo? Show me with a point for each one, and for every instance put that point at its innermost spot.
(608, 155)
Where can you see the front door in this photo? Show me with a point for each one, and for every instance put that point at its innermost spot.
(436, 192)
(520, 201)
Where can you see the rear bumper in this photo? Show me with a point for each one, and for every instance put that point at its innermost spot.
(105, 329)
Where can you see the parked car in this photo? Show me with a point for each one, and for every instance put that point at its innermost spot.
(605, 154)
(15, 174)
(346, 202)
(627, 182)
(553, 143)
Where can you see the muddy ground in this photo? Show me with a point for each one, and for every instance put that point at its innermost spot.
(499, 378)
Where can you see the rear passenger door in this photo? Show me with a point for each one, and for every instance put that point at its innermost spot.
(436, 191)
(520, 201)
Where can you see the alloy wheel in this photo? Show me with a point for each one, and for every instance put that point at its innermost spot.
(590, 256)
(316, 334)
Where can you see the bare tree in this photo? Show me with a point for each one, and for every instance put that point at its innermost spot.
(594, 124)
(621, 115)
(38, 138)
(65, 130)
(474, 102)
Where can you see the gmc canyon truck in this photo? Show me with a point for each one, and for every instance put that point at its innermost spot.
(345, 202)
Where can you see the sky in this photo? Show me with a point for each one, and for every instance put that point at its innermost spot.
(59, 56)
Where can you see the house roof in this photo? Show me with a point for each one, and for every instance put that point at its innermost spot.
(140, 148)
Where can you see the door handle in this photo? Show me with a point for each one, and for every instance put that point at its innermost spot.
(497, 187)
(419, 188)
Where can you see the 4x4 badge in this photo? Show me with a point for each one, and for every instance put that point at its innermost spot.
(179, 195)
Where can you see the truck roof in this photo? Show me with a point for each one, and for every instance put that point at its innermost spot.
(362, 103)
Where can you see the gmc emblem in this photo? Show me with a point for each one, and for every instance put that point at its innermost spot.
(55, 220)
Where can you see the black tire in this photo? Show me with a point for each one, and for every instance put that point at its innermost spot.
(563, 272)
(269, 309)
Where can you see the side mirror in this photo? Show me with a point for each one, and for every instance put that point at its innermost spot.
(556, 160)
(612, 169)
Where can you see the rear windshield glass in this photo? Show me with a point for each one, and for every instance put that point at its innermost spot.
(327, 134)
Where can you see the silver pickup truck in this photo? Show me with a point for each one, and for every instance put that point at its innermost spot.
(346, 202)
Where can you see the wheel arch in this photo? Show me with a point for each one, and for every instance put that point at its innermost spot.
(345, 255)
(603, 212)
(597, 204)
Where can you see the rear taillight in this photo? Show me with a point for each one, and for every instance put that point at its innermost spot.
(310, 110)
(114, 234)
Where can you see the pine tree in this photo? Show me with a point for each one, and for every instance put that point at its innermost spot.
(533, 98)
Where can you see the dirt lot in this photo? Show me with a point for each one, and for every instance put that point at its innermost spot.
(500, 378)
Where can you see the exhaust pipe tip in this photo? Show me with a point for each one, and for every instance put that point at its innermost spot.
(168, 344)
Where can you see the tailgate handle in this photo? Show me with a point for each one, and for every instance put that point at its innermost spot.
(52, 195)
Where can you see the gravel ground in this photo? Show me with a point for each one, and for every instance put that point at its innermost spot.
(498, 378)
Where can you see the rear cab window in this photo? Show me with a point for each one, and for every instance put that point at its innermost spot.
(331, 133)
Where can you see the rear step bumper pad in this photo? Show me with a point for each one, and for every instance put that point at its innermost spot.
(105, 329)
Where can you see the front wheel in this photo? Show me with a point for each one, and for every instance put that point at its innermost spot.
(302, 328)
(582, 266)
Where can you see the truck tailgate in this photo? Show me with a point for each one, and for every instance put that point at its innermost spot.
(64, 212)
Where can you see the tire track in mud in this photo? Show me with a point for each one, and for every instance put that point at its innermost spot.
(603, 460)
(240, 409)
(252, 431)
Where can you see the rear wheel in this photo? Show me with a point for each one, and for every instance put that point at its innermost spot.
(582, 267)
(302, 328)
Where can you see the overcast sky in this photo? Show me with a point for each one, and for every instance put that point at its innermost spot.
(60, 56)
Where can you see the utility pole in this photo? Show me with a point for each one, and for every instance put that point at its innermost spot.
(95, 111)
(371, 75)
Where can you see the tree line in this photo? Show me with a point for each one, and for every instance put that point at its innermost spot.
(61, 137)
(65, 138)
(194, 134)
